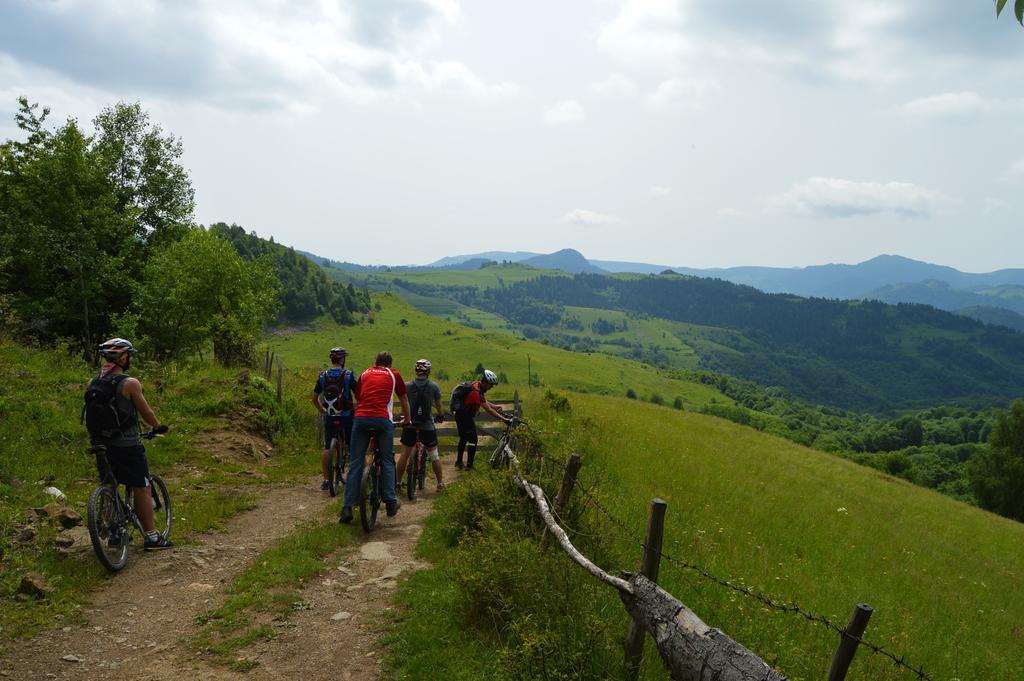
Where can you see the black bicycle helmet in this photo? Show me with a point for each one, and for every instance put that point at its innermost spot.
(338, 353)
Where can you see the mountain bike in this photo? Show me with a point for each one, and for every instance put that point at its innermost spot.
(503, 452)
(372, 485)
(112, 518)
(338, 459)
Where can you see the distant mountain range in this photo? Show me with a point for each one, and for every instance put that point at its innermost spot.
(993, 297)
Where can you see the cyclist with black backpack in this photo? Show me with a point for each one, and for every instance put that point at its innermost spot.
(332, 397)
(467, 400)
(424, 397)
(114, 401)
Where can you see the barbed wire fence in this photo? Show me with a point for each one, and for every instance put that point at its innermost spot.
(624, 531)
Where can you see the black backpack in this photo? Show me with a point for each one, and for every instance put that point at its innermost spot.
(459, 396)
(420, 402)
(100, 414)
(337, 392)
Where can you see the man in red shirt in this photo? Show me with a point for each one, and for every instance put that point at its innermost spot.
(374, 394)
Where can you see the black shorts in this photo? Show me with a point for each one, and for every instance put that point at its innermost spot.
(336, 425)
(410, 434)
(129, 465)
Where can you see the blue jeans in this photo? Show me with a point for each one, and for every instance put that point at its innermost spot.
(363, 428)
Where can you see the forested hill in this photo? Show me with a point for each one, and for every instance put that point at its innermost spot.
(863, 355)
(306, 291)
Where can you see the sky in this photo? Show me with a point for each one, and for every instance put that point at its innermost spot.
(693, 133)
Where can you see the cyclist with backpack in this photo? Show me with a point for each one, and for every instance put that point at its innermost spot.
(332, 397)
(375, 393)
(114, 401)
(424, 396)
(467, 400)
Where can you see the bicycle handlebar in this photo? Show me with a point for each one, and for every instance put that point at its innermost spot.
(159, 430)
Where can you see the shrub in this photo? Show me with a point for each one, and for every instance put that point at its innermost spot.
(630, 393)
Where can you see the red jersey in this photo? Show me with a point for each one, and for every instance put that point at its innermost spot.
(473, 399)
(374, 391)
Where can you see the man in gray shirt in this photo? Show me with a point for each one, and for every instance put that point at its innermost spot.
(424, 396)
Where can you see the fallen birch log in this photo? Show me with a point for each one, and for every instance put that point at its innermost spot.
(690, 649)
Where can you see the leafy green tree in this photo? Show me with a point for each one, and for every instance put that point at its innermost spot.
(997, 474)
(199, 290)
(69, 250)
(1018, 9)
(143, 165)
(79, 215)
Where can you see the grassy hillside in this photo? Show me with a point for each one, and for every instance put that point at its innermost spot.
(797, 525)
(861, 355)
(455, 350)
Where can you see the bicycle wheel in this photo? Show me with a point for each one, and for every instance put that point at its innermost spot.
(161, 506)
(162, 513)
(421, 469)
(108, 529)
(339, 470)
(369, 501)
(410, 473)
(335, 456)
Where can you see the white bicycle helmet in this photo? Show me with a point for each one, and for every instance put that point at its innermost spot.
(490, 377)
(115, 347)
(423, 366)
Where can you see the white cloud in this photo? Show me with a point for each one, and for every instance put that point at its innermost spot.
(567, 111)
(956, 103)
(251, 54)
(1016, 168)
(827, 197)
(679, 93)
(615, 85)
(876, 41)
(730, 213)
(659, 192)
(644, 31)
(993, 205)
(581, 216)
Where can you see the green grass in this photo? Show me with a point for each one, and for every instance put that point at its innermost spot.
(268, 591)
(495, 275)
(813, 529)
(456, 349)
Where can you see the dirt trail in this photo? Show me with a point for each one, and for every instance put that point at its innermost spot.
(138, 626)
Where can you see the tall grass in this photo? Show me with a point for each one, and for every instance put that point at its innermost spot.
(809, 528)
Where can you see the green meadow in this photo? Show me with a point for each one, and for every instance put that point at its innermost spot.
(456, 350)
(805, 527)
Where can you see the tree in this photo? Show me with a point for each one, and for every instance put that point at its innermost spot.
(143, 165)
(79, 216)
(199, 290)
(1018, 9)
(997, 474)
(70, 251)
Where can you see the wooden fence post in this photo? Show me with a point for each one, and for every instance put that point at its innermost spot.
(517, 408)
(848, 643)
(572, 468)
(649, 565)
(266, 361)
(280, 377)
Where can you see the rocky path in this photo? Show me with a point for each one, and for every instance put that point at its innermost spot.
(138, 626)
